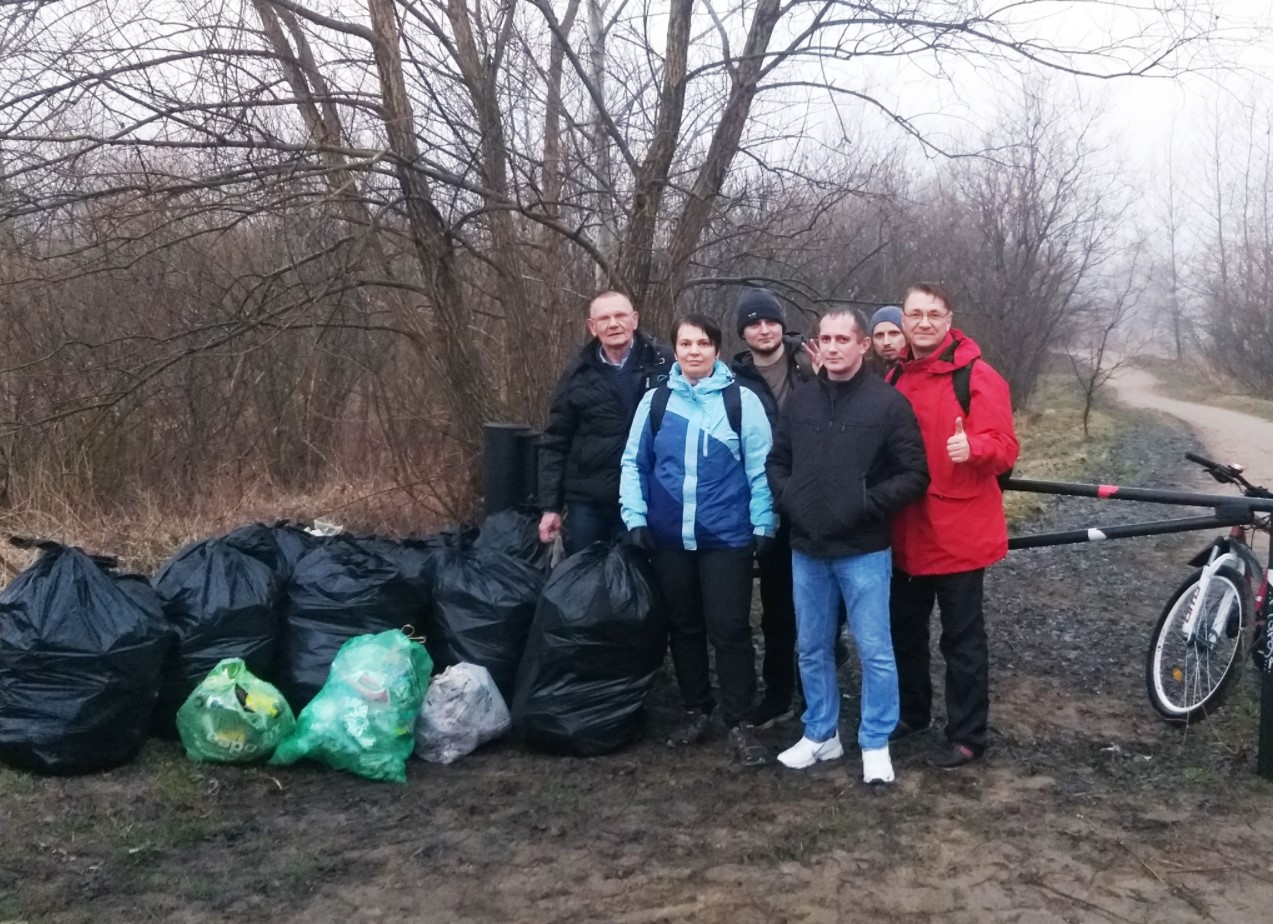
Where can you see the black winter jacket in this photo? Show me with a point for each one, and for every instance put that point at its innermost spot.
(799, 370)
(582, 444)
(846, 457)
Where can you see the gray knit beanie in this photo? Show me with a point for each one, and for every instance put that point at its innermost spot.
(890, 313)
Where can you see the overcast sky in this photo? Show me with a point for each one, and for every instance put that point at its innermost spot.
(957, 100)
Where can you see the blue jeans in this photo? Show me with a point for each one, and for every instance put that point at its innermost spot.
(588, 522)
(862, 581)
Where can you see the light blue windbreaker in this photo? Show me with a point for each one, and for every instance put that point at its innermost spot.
(687, 483)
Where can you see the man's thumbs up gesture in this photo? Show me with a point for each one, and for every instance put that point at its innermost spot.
(957, 446)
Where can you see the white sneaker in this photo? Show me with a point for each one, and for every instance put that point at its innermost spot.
(876, 766)
(806, 753)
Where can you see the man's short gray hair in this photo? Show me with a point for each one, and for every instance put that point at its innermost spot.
(601, 296)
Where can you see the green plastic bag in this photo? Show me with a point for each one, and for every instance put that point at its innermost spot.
(233, 716)
(363, 719)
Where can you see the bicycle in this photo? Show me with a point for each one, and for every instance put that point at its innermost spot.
(1195, 652)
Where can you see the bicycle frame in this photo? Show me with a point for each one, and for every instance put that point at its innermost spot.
(1216, 561)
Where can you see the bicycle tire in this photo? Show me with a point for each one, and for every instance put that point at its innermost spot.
(1189, 678)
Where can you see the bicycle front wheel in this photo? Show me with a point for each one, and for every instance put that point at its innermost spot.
(1192, 663)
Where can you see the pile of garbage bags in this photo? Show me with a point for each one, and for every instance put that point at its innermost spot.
(284, 642)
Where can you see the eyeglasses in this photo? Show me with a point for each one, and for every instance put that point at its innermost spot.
(931, 316)
(623, 317)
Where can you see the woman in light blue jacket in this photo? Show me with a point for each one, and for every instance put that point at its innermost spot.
(693, 493)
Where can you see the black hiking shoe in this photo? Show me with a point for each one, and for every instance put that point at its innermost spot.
(770, 712)
(692, 730)
(746, 749)
(952, 755)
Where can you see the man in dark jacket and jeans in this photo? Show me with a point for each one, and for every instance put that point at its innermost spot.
(773, 366)
(588, 422)
(848, 456)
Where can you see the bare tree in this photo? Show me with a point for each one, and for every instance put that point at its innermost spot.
(1237, 281)
(1101, 342)
(1019, 232)
(390, 217)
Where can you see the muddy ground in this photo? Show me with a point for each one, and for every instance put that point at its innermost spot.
(1087, 808)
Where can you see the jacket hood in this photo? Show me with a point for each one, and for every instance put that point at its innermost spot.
(957, 350)
(720, 377)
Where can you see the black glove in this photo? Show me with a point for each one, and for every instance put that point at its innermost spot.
(762, 544)
(640, 538)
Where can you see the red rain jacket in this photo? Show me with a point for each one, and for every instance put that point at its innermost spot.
(958, 525)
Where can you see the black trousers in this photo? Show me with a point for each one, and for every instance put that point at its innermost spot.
(708, 597)
(778, 619)
(963, 645)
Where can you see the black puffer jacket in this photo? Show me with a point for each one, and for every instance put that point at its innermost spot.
(846, 457)
(799, 370)
(588, 423)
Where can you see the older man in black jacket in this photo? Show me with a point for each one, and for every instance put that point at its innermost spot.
(592, 409)
(847, 456)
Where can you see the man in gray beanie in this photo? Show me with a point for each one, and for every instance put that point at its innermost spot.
(888, 342)
(772, 366)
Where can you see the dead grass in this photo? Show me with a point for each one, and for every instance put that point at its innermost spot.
(150, 529)
(1053, 447)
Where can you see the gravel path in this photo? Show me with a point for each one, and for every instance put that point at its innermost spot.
(1229, 436)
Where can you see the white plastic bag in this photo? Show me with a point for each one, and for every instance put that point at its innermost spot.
(462, 710)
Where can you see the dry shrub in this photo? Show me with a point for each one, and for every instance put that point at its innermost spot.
(144, 533)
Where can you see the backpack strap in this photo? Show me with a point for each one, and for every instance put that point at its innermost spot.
(658, 407)
(732, 397)
(731, 394)
(961, 378)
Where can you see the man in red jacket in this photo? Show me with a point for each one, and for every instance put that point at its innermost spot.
(943, 543)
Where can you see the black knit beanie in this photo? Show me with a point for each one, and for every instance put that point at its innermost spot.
(759, 305)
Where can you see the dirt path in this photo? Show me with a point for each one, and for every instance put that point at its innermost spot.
(1230, 436)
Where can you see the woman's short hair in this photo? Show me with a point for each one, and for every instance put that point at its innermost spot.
(703, 323)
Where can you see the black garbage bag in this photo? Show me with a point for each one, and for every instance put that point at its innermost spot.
(280, 546)
(81, 649)
(596, 644)
(483, 604)
(515, 531)
(222, 603)
(348, 586)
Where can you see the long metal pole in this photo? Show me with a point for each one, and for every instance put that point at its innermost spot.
(1153, 495)
(1223, 517)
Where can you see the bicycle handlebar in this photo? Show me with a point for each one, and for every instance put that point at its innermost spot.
(1228, 474)
(1203, 460)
